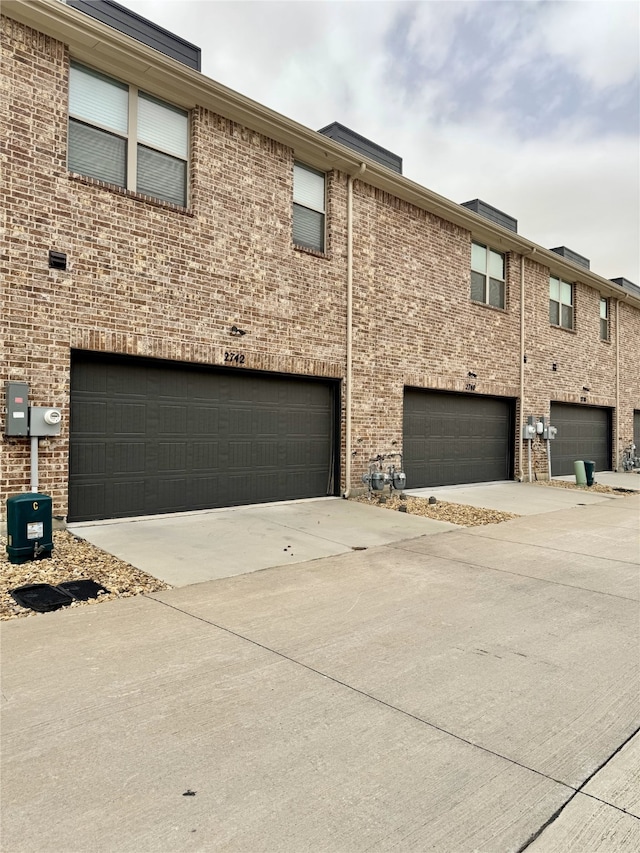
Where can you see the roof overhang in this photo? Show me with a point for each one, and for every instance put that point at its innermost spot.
(111, 51)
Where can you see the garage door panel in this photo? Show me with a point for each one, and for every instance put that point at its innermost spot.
(129, 418)
(128, 494)
(126, 457)
(456, 438)
(636, 432)
(584, 432)
(198, 438)
(90, 417)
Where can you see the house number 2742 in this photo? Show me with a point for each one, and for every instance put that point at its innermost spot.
(234, 358)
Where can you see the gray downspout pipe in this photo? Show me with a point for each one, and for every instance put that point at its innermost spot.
(349, 365)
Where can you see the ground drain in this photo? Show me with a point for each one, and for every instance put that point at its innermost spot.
(43, 597)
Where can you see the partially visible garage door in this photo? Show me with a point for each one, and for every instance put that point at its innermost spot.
(636, 431)
(151, 437)
(584, 432)
(456, 438)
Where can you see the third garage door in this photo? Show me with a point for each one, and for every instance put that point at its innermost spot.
(456, 438)
(584, 432)
(151, 437)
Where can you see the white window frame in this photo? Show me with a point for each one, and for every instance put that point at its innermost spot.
(321, 211)
(486, 272)
(561, 303)
(131, 136)
(604, 320)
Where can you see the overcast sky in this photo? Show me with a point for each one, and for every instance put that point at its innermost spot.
(531, 105)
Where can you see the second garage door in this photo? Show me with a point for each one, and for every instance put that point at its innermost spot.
(151, 437)
(584, 432)
(456, 438)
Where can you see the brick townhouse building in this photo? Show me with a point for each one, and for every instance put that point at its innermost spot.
(229, 307)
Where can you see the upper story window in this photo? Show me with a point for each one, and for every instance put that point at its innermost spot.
(308, 207)
(560, 303)
(604, 319)
(125, 137)
(487, 275)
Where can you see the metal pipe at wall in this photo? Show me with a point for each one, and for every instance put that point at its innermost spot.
(34, 463)
(349, 364)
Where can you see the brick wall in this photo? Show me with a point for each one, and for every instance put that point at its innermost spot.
(146, 278)
(152, 279)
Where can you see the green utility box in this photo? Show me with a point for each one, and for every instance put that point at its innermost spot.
(589, 470)
(29, 527)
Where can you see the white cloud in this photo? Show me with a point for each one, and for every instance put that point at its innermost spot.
(599, 41)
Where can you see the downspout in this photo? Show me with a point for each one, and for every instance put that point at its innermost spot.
(616, 435)
(349, 365)
(522, 354)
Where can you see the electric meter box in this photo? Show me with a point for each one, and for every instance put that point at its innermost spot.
(29, 527)
(44, 420)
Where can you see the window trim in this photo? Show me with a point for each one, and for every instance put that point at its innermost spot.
(561, 304)
(323, 249)
(488, 277)
(132, 142)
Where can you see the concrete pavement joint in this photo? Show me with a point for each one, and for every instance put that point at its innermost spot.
(579, 790)
(369, 696)
(467, 531)
(400, 547)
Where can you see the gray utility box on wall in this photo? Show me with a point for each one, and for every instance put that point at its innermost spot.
(17, 420)
(44, 420)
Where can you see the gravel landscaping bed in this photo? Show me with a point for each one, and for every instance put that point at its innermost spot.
(71, 560)
(466, 516)
(597, 487)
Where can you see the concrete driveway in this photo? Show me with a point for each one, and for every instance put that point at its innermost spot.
(474, 690)
(192, 547)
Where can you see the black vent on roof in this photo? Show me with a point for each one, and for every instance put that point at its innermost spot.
(363, 146)
(574, 257)
(628, 285)
(131, 24)
(492, 213)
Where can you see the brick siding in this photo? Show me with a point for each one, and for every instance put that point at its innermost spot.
(151, 279)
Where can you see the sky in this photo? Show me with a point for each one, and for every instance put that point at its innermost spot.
(532, 106)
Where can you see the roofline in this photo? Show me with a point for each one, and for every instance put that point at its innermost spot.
(102, 46)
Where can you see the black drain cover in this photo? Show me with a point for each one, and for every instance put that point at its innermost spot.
(82, 590)
(41, 597)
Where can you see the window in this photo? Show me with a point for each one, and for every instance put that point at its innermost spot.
(487, 275)
(125, 137)
(308, 207)
(604, 319)
(560, 303)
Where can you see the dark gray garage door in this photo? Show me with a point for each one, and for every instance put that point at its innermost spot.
(584, 432)
(636, 431)
(456, 438)
(150, 437)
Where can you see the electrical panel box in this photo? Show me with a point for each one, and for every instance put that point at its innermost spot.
(550, 432)
(29, 527)
(17, 420)
(529, 431)
(44, 420)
